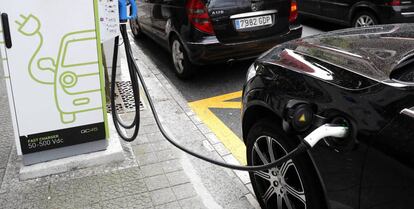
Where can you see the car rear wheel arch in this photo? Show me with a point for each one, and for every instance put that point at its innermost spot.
(259, 113)
(360, 9)
(255, 113)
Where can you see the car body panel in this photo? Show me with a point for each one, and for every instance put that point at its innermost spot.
(371, 52)
(375, 168)
(343, 11)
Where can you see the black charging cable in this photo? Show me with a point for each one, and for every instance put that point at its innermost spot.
(118, 122)
(134, 72)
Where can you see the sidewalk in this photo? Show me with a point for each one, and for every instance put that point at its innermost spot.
(154, 175)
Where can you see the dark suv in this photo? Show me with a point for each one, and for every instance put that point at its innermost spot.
(359, 13)
(199, 32)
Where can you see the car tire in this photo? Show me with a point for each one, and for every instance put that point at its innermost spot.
(183, 67)
(364, 19)
(135, 28)
(294, 183)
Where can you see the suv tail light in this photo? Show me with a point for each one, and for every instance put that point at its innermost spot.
(199, 17)
(394, 3)
(293, 11)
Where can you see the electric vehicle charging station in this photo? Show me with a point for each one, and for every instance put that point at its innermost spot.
(55, 79)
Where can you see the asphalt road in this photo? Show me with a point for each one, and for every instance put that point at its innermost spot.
(217, 80)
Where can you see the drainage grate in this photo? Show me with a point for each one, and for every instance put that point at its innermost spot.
(125, 98)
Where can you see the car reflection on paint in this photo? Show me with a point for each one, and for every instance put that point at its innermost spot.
(363, 78)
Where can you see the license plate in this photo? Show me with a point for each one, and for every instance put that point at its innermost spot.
(253, 22)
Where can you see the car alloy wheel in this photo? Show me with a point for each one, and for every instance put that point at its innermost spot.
(364, 21)
(178, 56)
(281, 186)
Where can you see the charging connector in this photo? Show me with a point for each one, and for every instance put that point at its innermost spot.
(327, 130)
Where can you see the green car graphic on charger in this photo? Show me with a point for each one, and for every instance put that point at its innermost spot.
(68, 73)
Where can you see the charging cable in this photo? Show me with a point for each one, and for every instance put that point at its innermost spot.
(308, 142)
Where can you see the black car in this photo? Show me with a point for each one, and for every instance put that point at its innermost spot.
(199, 32)
(359, 13)
(360, 78)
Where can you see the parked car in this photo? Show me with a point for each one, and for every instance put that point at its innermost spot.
(357, 13)
(199, 32)
(361, 78)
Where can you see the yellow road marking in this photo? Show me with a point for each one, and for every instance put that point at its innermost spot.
(230, 140)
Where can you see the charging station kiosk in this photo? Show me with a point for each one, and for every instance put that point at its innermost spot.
(51, 56)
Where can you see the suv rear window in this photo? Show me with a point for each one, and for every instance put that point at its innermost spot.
(228, 3)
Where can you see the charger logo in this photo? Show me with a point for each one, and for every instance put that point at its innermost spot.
(89, 130)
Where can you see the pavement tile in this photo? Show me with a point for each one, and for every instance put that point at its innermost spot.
(184, 191)
(34, 205)
(171, 166)
(156, 182)
(166, 155)
(93, 206)
(62, 201)
(152, 169)
(130, 174)
(140, 201)
(112, 191)
(36, 194)
(171, 205)
(162, 196)
(192, 203)
(117, 203)
(1, 174)
(178, 177)
(160, 146)
(143, 149)
(203, 128)
(147, 129)
(89, 194)
(212, 138)
(61, 188)
(134, 187)
(154, 137)
(147, 159)
(221, 149)
(207, 145)
(196, 120)
(141, 139)
(109, 179)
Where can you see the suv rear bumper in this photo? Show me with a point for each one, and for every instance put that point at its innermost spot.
(210, 50)
(397, 14)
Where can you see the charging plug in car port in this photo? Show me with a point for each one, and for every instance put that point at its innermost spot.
(345, 143)
(300, 118)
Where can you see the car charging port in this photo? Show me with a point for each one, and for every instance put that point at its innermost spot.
(343, 143)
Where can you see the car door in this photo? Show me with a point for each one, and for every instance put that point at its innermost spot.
(388, 180)
(309, 7)
(161, 12)
(336, 9)
(144, 14)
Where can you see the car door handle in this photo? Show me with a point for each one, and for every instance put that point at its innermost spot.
(6, 30)
(408, 112)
